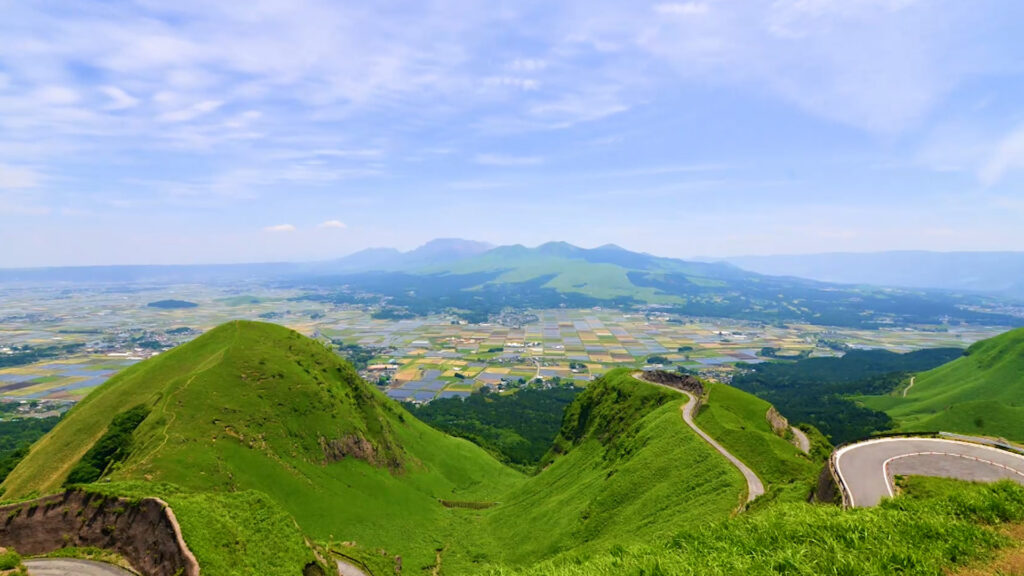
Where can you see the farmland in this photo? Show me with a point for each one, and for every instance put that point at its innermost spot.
(102, 329)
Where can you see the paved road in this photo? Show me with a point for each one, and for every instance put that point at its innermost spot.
(802, 441)
(867, 468)
(755, 487)
(71, 567)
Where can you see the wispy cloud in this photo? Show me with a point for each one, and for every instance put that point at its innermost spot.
(280, 228)
(1008, 155)
(17, 177)
(506, 160)
(332, 224)
(191, 112)
(120, 99)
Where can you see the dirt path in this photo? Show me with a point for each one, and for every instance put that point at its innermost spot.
(72, 567)
(802, 441)
(907, 389)
(755, 487)
(347, 569)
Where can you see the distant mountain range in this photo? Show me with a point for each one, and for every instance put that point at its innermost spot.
(477, 280)
(987, 272)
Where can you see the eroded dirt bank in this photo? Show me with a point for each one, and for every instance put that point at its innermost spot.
(145, 532)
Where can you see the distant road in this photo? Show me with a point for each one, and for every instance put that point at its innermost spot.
(755, 487)
(911, 385)
(867, 468)
(73, 567)
(802, 441)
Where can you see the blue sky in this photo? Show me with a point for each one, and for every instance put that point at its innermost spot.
(196, 131)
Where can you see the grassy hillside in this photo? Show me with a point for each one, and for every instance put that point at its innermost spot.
(817, 391)
(557, 274)
(257, 407)
(625, 468)
(737, 420)
(911, 536)
(980, 393)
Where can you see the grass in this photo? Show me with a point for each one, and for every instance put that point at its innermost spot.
(264, 441)
(910, 536)
(737, 420)
(251, 407)
(626, 470)
(980, 393)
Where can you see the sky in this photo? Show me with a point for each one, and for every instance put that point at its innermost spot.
(153, 132)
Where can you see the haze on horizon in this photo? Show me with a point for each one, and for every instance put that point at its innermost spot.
(148, 133)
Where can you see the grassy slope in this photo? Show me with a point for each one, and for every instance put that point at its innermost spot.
(244, 408)
(911, 536)
(980, 393)
(632, 471)
(737, 420)
(600, 280)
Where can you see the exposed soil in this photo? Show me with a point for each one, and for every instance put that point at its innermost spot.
(144, 532)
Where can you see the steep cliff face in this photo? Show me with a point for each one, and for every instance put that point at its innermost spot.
(145, 531)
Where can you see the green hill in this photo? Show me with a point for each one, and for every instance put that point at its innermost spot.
(258, 408)
(479, 284)
(979, 393)
(254, 433)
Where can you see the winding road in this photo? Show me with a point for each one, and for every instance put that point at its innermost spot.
(801, 440)
(72, 567)
(866, 469)
(755, 487)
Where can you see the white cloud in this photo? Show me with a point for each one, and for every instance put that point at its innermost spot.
(1007, 156)
(192, 112)
(682, 9)
(56, 95)
(336, 224)
(280, 228)
(514, 82)
(505, 160)
(120, 99)
(17, 177)
(528, 65)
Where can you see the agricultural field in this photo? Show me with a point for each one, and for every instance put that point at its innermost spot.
(77, 338)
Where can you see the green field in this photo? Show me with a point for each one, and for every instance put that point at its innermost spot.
(980, 393)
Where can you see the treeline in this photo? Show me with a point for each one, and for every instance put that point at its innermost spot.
(112, 447)
(16, 436)
(519, 428)
(409, 295)
(817, 390)
(21, 355)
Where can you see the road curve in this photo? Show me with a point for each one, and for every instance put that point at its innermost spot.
(866, 469)
(72, 567)
(755, 487)
(801, 440)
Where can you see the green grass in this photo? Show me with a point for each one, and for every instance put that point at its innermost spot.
(737, 420)
(980, 393)
(249, 407)
(246, 424)
(630, 471)
(909, 536)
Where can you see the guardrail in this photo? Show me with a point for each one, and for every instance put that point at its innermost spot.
(844, 490)
(1001, 444)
